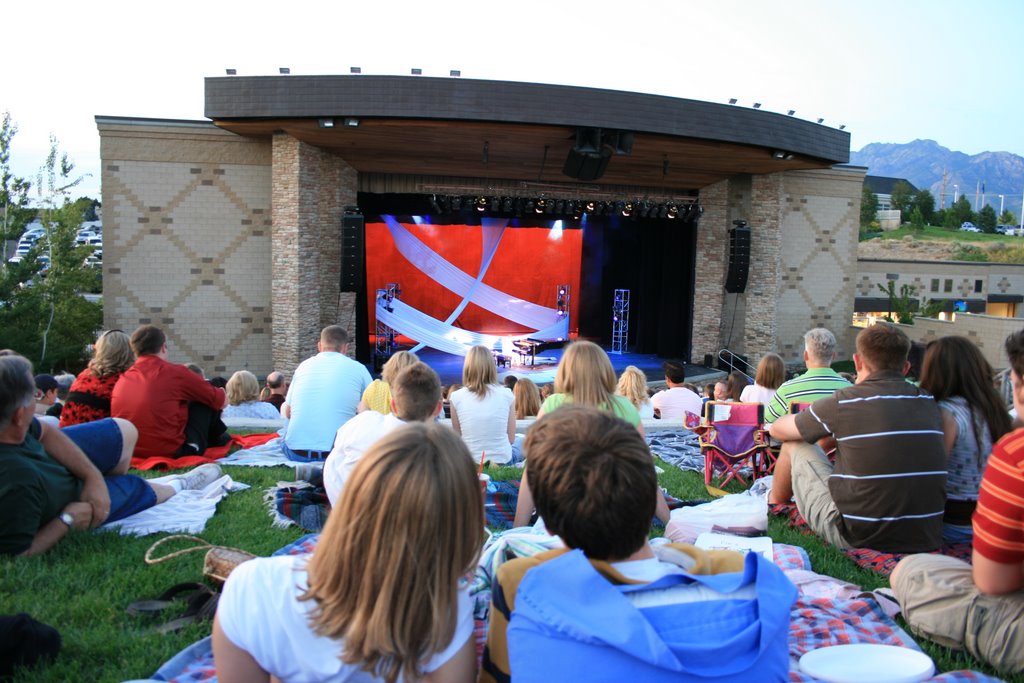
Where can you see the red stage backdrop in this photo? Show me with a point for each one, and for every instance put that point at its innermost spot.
(528, 264)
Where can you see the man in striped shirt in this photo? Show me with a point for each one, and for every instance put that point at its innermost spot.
(888, 488)
(819, 381)
(979, 606)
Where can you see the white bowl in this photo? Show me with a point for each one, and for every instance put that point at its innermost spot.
(867, 662)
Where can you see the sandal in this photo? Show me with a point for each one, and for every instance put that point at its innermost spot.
(201, 607)
(170, 597)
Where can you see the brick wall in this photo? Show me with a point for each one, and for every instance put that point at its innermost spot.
(712, 254)
(186, 222)
(311, 187)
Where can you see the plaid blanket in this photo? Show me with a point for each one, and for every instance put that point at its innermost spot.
(873, 560)
(299, 504)
(214, 454)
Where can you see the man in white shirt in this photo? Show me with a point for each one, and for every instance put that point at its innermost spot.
(324, 393)
(673, 403)
(415, 397)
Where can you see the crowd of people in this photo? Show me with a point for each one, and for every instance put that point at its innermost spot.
(881, 462)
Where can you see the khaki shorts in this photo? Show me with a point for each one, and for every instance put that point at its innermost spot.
(811, 470)
(941, 603)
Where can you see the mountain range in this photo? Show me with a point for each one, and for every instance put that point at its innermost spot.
(923, 163)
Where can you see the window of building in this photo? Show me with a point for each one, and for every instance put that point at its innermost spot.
(935, 284)
(977, 285)
(947, 286)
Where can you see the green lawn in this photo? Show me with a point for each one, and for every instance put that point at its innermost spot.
(83, 586)
(932, 232)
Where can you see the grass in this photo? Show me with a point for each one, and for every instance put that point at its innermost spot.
(83, 586)
(932, 232)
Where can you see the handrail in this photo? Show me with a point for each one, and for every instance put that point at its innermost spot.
(734, 362)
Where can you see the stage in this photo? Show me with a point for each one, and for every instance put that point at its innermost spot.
(449, 367)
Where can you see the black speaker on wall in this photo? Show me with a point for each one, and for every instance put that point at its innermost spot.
(739, 259)
(353, 238)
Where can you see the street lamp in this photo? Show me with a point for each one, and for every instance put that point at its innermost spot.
(956, 188)
(1001, 198)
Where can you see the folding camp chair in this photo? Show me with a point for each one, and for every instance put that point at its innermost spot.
(827, 445)
(731, 437)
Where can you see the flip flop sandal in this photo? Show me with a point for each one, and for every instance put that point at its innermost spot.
(201, 607)
(174, 595)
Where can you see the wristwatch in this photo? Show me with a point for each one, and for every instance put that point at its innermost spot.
(67, 519)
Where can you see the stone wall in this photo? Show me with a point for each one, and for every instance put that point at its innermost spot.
(820, 212)
(187, 239)
(964, 280)
(710, 265)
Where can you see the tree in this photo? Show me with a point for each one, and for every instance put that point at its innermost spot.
(900, 304)
(902, 198)
(962, 211)
(925, 203)
(987, 219)
(88, 205)
(1008, 217)
(917, 219)
(868, 207)
(43, 315)
(14, 211)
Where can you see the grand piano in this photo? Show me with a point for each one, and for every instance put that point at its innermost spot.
(529, 348)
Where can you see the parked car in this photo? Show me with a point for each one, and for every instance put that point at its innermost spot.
(969, 227)
(84, 236)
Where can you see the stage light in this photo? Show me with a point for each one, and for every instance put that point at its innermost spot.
(506, 205)
(434, 206)
(842, 127)
(326, 123)
(446, 204)
(673, 211)
(577, 210)
(352, 122)
(790, 112)
(481, 204)
(561, 292)
(355, 70)
(540, 205)
(456, 203)
(821, 120)
(231, 72)
(732, 100)
(529, 205)
(627, 209)
(495, 204)
(662, 211)
(455, 73)
(560, 207)
(778, 154)
(589, 207)
(417, 72)
(757, 105)
(284, 71)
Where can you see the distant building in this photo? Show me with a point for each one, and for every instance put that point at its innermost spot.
(882, 186)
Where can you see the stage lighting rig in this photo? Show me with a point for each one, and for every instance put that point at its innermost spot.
(481, 204)
(673, 211)
(456, 203)
(506, 205)
(540, 205)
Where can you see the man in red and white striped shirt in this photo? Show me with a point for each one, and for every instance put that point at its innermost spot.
(980, 607)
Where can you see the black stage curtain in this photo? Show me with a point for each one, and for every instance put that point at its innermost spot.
(655, 260)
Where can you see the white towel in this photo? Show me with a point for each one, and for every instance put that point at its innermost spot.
(270, 454)
(183, 513)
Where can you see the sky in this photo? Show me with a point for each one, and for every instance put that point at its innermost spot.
(890, 71)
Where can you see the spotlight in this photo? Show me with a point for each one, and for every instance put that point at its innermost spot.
(589, 207)
(540, 205)
(732, 100)
(284, 71)
(506, 205)
(673, 211)
(577, 210)
(778, 154)
(446, 204)
(456, 203)
(434, 206)
(326, 123)
(481, 204)
(662, 211)
(560, 207)
(231, 72)
(627, 209)
(757, 105)
(549, 208)
(352, 122)
(355, 70)
(530, 205)
(495, 204)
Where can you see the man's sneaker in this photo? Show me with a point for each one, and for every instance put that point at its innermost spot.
(200, 477)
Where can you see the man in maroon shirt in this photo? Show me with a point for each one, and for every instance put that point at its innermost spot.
(176, 411)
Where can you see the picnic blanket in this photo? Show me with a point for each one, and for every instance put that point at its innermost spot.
(680, 448)
(184, 513)
(873, 560)
(212, 454)
(814, 622)
(266, 453)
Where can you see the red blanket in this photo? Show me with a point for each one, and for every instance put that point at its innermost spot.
(159, 462)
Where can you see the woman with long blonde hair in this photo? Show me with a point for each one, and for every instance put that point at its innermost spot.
(633, 385)
(384, 596)
(377, 396)
(527, 399)
(483, 411)
(771, 373)
(89, 396)
(585, 376)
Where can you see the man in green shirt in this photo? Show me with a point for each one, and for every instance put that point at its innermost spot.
(53, 481)
(819, 381)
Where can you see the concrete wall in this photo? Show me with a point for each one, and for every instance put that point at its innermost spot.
(986, 331)
(963, 277)
(187, 239)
